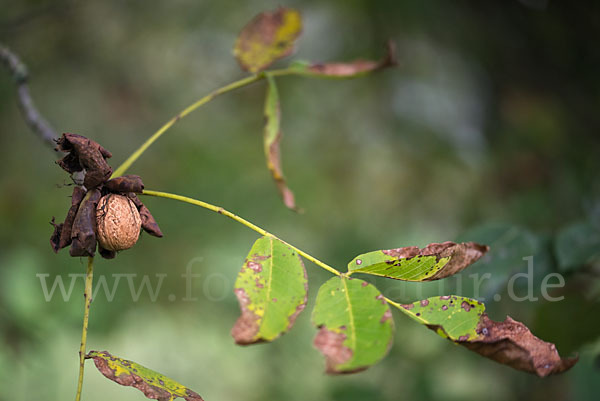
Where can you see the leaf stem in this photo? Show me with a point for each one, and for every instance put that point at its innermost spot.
(239, 219)
(86, 314)
(200, 102)
(261, 231)
(403, 310)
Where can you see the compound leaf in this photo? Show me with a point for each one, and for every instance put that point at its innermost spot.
(355, 325)
(271, 289)
(152, 384)
(266, 38)
(272, 138)
(433, 262)
(464, 321)
(348, 69)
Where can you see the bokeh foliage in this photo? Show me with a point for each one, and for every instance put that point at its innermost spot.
(490, 126)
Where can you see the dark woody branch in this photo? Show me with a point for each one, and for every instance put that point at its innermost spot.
(32, 117)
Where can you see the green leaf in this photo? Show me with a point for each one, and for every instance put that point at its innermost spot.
(271, 289)
(351, 69)
(272, 138)
(450, 316)
(433, 262)
(152, 384)
(577, 245)
(464, 321)
(268, 37)
(355, 324)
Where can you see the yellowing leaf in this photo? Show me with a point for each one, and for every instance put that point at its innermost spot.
(267, 38)
(271, 289)
(153, 384)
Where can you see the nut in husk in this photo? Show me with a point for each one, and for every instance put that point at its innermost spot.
(118, 222)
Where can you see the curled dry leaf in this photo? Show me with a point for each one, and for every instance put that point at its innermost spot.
(268, 37)
(512, 343)
(153, 384)
(349, 69)
(272, 139)
(272, 291)
(433, 262)
(464, 321)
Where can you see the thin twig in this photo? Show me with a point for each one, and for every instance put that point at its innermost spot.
(202, 101)
(263, 232)
(241, 220)
(89, 277)
(32, 116)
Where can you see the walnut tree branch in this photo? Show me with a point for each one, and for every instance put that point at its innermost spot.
(32, 116)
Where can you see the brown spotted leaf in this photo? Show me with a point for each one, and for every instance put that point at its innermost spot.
(433, 262)
(464, 321)
(272, 139)
(355, 325)
(348, 69)
(511, 343)
(271, 289)
(450, 316)
(267, 38)
(153, 384)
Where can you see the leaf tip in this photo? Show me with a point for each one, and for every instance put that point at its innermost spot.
(331, 345)
(511, 343)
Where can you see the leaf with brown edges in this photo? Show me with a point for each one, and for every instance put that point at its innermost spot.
(271, 289)
(153, 384)
(267, 38)
(512, 343)
(433, 262)
(464, 321)
(350, 69)
(272, 139)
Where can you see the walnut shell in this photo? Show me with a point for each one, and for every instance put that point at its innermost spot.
(118, 222)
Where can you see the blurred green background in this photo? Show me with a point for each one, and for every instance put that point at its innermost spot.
(488, 131)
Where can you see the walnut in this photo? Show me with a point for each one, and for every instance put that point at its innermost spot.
(112, 220)
(118, 222)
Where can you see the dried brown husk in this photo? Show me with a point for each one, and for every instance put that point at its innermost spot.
(83, 234)
(149, 224)
(84, 154)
